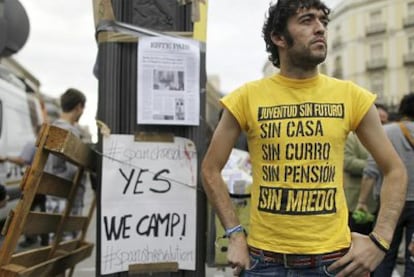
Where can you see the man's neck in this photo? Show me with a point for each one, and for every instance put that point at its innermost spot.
(68, 117)
(296, 73)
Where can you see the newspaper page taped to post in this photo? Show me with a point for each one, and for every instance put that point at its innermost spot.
(168, 81)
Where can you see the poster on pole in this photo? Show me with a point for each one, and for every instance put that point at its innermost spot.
(168, 81)
(148, 203)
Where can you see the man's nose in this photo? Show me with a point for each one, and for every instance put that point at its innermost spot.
(320, 27)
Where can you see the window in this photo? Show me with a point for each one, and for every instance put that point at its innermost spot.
(375, 17)
(376, 51)
(377, 86)
(322, 68)
(338, 30)
(337, 72)
(410, 9)
(411, 80)
(338, 62)
(336, 37)
(411, 44)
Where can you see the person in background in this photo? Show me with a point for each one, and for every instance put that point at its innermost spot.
(401, 135)
(355, 161)
(26, 155)
(383, 113)
(3, 203)
(411, 248)
(296, 123)
(72, 103)
(39, 202)
(3, 196)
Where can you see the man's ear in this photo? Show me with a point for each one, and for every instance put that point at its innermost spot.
(79, 106)
(278, 40)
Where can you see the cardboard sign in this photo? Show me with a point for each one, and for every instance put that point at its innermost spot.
(148, 203)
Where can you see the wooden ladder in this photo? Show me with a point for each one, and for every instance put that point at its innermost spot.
(60, 255)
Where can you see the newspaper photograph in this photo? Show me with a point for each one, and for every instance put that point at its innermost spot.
(168, 81)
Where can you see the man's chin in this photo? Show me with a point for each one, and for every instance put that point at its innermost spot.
(319, 58)
(320, 53)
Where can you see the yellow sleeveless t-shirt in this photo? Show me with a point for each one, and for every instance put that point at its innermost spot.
(296, 132)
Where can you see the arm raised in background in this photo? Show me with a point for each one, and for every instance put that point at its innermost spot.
(367, 183)
(223, 140)
(364, 256)
(16, 160)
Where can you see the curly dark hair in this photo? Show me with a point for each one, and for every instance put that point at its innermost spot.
(276, 22)
(407, 106)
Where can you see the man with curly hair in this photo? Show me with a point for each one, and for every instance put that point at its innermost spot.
(296, 124)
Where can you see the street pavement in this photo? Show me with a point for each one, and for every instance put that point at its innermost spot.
(86, 268)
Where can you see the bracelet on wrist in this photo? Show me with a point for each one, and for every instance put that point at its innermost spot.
(235, 229)
(379, 242)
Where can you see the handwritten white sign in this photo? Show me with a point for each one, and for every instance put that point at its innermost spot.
(148, 203)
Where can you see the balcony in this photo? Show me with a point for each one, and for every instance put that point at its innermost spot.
(408, 21)
(374, 29)
(408, 58)
(375, 64)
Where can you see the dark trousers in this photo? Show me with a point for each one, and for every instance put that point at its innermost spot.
(39, 203)
(406, 221)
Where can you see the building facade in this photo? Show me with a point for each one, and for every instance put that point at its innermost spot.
(371, 42)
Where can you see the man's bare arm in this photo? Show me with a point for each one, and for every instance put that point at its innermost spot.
(394, 186)
(16, 160)
(364, 256)
(215, 159)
